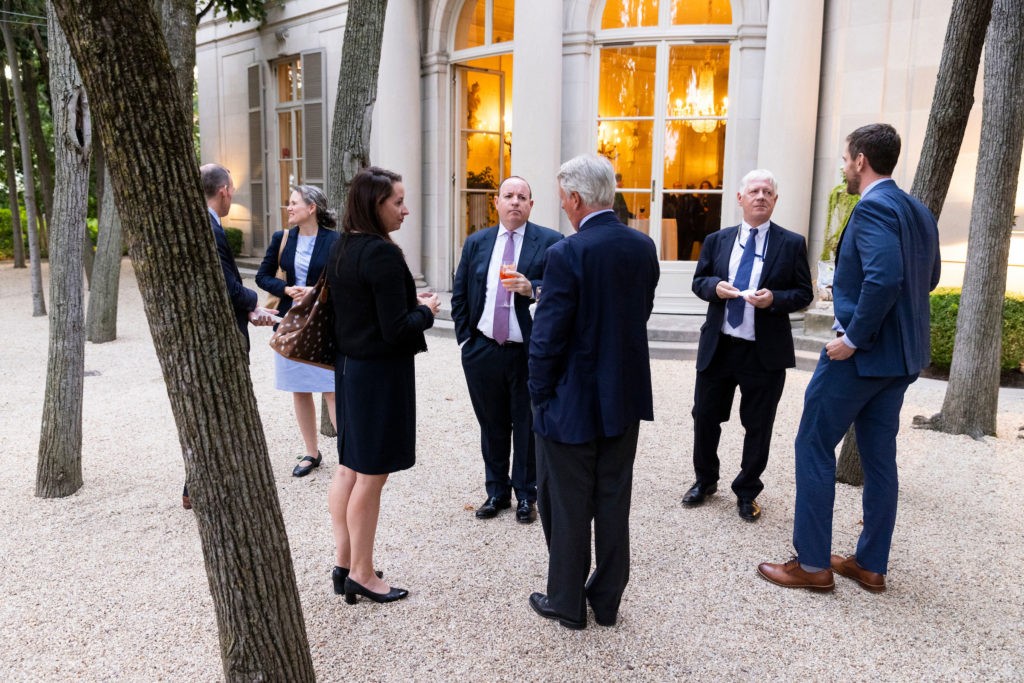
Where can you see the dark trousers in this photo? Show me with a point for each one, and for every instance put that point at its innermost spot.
(735, 364)
(837, 397)
(580, 484)
(496, 378)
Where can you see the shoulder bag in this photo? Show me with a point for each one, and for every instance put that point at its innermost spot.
(273, 301)
(306, 333)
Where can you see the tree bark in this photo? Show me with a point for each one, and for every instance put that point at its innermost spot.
(132, 87)
(972, 395)
(59, 470)
(35, 267)
(105, 282)
(848, 469)
(326, 426)
(952, 101)
(357, 93)
(35, 126)
(12, 173)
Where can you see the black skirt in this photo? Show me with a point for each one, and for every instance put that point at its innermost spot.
(376, 409)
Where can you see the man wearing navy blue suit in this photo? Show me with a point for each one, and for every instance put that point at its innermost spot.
(590, 383)
(219, 190)
(492, 325)
(887, 262)
(753, 275)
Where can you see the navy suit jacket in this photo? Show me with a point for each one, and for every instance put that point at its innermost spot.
(590, 369)
(886, 264)
(785, 272)
(265, 276)
(470, 288)
(243, 299)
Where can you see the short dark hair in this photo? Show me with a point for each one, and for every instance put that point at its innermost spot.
(880, 145)
(369, 189)
(213, 177)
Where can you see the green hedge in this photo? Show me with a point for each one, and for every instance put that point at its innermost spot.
(945, 303)
(234, 236)
(7, 235)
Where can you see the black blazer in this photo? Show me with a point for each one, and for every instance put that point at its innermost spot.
(785, 272)
(376, 311)
(243, 299)
(265, 276)
(469, 292)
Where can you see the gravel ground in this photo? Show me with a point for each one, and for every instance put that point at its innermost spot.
(109, 584)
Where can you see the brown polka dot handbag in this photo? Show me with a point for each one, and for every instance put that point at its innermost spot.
(306, 333)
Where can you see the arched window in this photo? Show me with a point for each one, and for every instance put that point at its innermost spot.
(661, 116)
(482, 98)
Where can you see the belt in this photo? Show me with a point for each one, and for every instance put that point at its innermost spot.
(731, 339)
(507, 344)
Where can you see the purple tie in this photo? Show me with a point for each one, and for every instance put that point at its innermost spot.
(503, 297)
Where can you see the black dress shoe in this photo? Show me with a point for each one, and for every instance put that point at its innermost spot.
(352, 589)
(539, 603)
(698, 493)
(526, 512)
(491, 506)
(339, 574)
(749, 509)
(302, 469)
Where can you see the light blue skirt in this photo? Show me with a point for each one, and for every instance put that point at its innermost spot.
(301, 377)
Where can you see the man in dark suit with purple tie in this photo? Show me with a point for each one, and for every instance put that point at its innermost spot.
(887, 262)
(752, 275)
(590, 384)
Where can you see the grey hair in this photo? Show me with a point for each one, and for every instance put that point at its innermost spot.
(759, 174)
(311, 194)
(591, 177)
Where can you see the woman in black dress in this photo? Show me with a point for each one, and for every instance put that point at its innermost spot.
(379, 324)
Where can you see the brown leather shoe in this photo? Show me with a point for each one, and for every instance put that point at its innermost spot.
(848, 567)
(791, 575)
(186, 502)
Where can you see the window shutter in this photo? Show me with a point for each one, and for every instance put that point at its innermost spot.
(314, 118)
(257, 156)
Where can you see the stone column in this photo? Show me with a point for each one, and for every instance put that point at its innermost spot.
(789, 106)
(396, 135)
(537, 102)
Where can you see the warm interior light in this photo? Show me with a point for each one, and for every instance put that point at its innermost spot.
(700, 100)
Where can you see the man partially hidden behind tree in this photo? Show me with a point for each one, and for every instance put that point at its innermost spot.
(219, 190)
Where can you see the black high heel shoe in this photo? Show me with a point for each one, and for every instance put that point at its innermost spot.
(339, 575)
(352, 589)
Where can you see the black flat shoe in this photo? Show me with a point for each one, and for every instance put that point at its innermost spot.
(302, 470)
(540, 605)
(339, 574)
(352, 589)
(491, 506)
(698, 493)
(748, 509)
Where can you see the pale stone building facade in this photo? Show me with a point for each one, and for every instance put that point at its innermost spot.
(684, 97)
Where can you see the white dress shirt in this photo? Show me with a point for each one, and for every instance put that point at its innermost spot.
(745, 330)
(486, 324)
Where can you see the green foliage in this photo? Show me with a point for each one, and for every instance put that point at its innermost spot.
(234, 236)
(840, 206)
(945, 305)
(236, 10)
(7, 235)
(484, 180)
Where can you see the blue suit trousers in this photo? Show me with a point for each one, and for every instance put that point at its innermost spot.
(837, 397)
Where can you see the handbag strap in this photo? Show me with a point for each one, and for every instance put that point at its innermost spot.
(280, 251)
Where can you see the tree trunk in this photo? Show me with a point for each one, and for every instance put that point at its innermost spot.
(59, 471)
(35, 268)
(105, 283)
(357, 93)
(952, 101)
(848, 469)
(12, 173)
(88, 251)
(132, 87)
(326, 426)
(972, 395)
(35, 126)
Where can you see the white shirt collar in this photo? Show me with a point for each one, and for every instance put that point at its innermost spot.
(872, 186)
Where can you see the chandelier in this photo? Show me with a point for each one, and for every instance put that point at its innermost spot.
(699, 105)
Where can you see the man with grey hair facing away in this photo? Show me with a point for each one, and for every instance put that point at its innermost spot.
(590, 385)
(753, 275)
